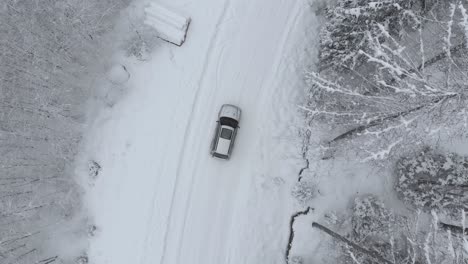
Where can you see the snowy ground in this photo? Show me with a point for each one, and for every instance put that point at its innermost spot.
(160, 197)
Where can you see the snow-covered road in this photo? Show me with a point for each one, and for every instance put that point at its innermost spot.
(161, 198)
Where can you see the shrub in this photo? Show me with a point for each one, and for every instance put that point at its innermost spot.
(304, 192)
(430, 180)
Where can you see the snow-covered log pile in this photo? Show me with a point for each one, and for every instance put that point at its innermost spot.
(170, 25)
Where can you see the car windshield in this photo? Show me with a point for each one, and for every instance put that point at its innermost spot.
(226, 133)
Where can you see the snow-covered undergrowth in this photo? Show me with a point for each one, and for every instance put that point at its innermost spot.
(52, 56)
(402, 87)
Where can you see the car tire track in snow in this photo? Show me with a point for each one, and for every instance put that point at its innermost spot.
(244, 96)
(159, 218)
(278, 66)
(265, 96)
(188, 127)
(179, 205)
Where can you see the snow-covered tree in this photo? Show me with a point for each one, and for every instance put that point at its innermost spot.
(370, 217)
(377, 228)
(408, 89)
(50, 53)
(349, 23)
(380, 236)
(433, 181)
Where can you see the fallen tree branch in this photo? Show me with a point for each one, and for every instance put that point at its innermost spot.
(367, 252)
(48, 260)
(453, 228)
(380, 121)
(441, 55)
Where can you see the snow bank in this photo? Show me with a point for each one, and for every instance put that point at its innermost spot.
(118, 74)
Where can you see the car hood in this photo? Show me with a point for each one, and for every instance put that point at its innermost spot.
(230, 111)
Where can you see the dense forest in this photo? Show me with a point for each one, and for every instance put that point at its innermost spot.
(389, 91)
(51, 53)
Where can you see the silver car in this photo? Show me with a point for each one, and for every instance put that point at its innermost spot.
(226, 131)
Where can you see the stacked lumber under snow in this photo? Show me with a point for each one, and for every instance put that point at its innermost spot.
(170, 25)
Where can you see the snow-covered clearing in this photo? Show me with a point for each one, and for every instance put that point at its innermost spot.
(161, 198)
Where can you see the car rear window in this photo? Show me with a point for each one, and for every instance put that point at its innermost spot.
(226, 133)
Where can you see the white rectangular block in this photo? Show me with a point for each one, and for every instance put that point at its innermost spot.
(170, 25)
